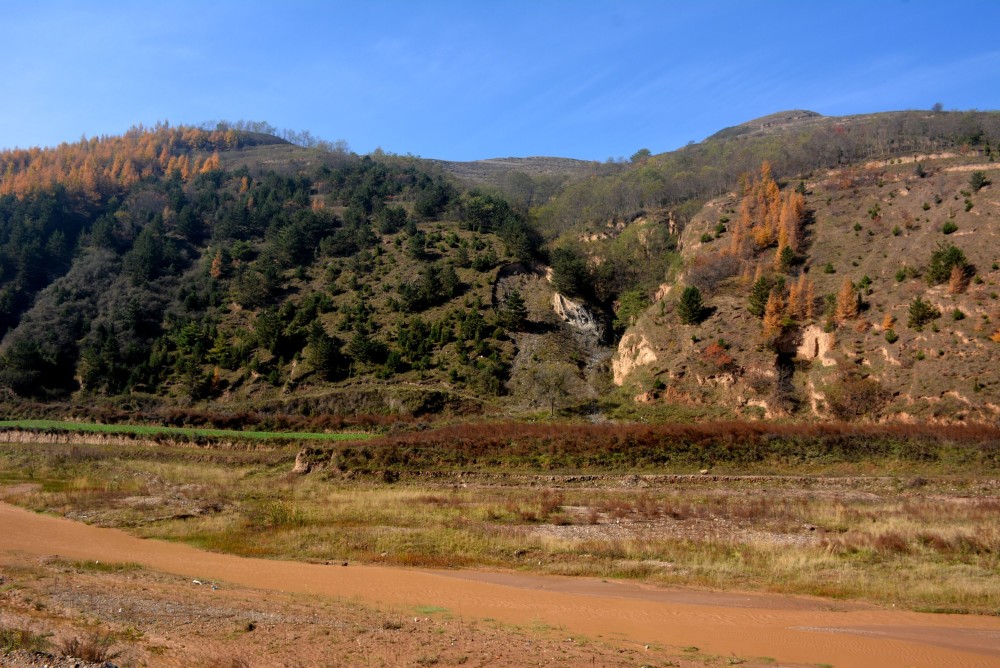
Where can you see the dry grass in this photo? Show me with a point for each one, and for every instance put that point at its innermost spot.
(922, 542)
(14, 639)
(94, 647)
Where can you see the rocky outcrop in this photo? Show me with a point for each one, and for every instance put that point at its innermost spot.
(302, 464)
(577, 316)
(816, 345)
(634, 350)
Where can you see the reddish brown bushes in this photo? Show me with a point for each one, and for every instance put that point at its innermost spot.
(556, 446)
(717, 356)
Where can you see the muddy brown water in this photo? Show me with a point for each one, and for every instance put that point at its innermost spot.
(795, 630)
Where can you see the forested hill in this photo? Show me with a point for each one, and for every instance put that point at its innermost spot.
(139, 264)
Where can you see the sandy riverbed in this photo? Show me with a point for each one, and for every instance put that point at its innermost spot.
(792, 630)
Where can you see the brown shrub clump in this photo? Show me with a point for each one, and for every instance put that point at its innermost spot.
(958, 281)
(717, 356)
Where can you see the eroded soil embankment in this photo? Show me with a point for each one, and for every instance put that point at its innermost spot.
(807, 631)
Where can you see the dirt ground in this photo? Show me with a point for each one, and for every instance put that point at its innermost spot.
(154, 619)
(251, 612)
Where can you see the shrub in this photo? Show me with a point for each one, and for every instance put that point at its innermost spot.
(95, 648)
(958, 281)
(943, 259)
(921, 312)
(707, 238)
(631, 304)
(716, 355)
(896, 231)
(949, 227)
(709, 270)
(828, 268)
(958, 314)
(19, 639)
(978, 180)
(891, 336)
(853, 397)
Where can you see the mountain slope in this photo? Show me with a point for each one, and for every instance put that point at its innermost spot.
(877, 228)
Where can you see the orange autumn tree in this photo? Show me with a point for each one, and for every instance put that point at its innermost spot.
(102, 166)
(774, 312)
(793, 209)
(801, 299)
(766, 216)
(847, 301)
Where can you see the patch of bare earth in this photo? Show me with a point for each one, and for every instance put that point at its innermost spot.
(152, 619)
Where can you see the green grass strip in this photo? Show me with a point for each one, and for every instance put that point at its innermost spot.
(186, 431)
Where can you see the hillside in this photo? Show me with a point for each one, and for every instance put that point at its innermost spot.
(870, 236)
(234, 270)
(266, 276)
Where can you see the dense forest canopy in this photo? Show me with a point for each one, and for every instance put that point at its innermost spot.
(139, 263)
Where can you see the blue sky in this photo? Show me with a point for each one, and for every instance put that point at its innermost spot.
(467, 80)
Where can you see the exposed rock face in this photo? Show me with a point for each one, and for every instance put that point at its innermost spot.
(634, 350)
(577, 315)
(302, 465)
(816, 345)
(311, 459)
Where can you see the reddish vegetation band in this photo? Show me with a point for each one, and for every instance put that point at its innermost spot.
(638, 447)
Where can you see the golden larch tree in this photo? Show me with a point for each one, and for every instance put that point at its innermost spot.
(847, 302)
(774, 313)
(810, 299)
(797, 298)
(217, 265)
(211, 164)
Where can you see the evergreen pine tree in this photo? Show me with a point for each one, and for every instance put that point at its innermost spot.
(691, 308)
(513, 312)
(759, 294)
